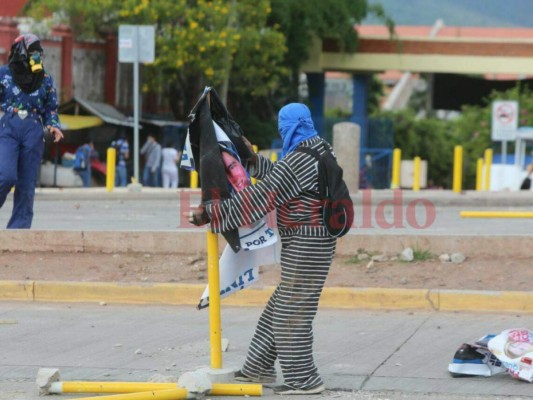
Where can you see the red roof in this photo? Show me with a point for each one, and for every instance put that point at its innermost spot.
(464, 32)
(448, 31)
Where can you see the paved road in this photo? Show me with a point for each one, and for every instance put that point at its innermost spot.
(361, 355)
(435, 212)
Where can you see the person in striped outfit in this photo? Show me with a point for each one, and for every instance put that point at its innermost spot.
(290, 186)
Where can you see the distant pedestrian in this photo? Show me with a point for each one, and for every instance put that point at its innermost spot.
(171, 157)
(82, 162)
(152, 152)
(526, 183)
(122, 148)
(29, 100)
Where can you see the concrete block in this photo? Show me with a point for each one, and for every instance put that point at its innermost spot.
(219, 375)
(198, 382)
(45, 378)
(346, 144)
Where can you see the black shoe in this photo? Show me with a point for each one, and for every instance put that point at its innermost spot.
(286, 390)
(239, 376)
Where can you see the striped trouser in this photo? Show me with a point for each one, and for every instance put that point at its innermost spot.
(285, 329)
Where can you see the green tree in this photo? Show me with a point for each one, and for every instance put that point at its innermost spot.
(429, 138)
(302, 21)
(473, 129)
(198, 43)
(251, 49)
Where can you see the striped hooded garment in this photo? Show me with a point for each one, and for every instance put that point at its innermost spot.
(284, 330)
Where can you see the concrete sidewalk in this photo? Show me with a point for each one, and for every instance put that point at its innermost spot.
(360, 354)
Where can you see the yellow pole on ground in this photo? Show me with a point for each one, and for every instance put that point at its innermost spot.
(172, 394)
(194, 179)
(256, 149)
(416, 175)
(274, 156)
(111, 167)
(496, 214)
(218, 389)
(230, 389)
(479, 174)
(488, 164)
(396, 163)
(457, 169)
(213, 280)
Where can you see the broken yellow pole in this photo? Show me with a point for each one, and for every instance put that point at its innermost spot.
(231, 389)
(218, 389)
(496, 214)
(213, 280)
(171, 394)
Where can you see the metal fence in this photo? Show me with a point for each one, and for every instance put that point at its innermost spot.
(375, 151)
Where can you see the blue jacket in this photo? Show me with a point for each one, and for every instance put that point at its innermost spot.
(42, 102)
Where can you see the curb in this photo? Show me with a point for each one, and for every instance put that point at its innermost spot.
(332, 297)
(193, 241)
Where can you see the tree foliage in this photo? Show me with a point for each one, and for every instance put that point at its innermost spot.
(255, 48)
(433, 139)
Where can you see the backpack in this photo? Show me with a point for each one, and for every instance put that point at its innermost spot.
(80, 159)
(337, 211)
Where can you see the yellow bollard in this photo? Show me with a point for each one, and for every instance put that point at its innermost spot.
(218, 389)
(479, 174)
(256, 149)
(416, 175)
(213, 280)
(488, 164)
(496, 214)
(457, 169)
(172, 394)
(396, 163)
(194, 179)
(111, 168)
(274, 156)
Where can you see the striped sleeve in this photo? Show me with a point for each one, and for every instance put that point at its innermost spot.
(287, 179)
(262, 168)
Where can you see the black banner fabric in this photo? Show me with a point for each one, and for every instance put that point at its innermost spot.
(206, 151)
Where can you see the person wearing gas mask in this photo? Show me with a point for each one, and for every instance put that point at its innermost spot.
(28, 99)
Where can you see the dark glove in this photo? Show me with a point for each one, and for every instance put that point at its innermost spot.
(199, 216)
(253, 156)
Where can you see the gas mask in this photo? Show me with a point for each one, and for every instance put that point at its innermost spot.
(36, 62)
(31, 56)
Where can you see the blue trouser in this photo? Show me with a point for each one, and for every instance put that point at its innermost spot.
(85, 176)
(151, 178)
(21, 150)
(121, 176)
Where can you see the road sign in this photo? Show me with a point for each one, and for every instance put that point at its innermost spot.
(504, 120)
(136, 43)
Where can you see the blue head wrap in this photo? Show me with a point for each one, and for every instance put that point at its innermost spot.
(295, 125)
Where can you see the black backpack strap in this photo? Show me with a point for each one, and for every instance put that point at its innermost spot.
(322, 176)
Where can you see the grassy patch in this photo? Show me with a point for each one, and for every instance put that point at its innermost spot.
(422, 255)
